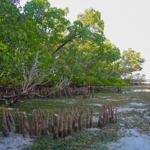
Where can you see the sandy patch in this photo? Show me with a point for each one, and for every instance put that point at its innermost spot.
(14, 142)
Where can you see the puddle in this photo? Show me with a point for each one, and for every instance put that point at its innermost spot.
(95, 104)
(93, 129)
(95, 119)
(141, 90)
(137, 104)
(96, 113)
(109, 99)
(146, 116)
(136, 90)
(126, 109)
(104, 96)
(136, 99)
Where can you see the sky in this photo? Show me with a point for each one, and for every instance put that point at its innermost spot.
(127, 22)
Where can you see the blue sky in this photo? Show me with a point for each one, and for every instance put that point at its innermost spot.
(127, 22)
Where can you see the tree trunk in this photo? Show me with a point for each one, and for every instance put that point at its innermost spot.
(60, 131)
(10, 121)
(76, 122)
(25, 126)
(55, 134)
(70, 122)
(91, 119)
(87, 120)
(65, 123)
(4, 124)
(18, 122)
(80, 120)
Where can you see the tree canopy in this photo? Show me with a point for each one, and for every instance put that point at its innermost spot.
(38, 44)
(131, 62)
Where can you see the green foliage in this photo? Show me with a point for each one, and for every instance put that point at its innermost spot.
(56, 87)
(79, 51)
(130, 62)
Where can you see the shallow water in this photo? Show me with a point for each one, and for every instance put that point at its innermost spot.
(137, 104)
(136, 90)
(96, 105)
(95, 119)
(133, 140)
(126, 109)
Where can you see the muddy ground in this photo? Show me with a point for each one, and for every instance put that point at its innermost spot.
(133, 106)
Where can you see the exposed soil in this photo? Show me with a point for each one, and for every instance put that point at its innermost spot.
(133, 119)
(14, 142)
